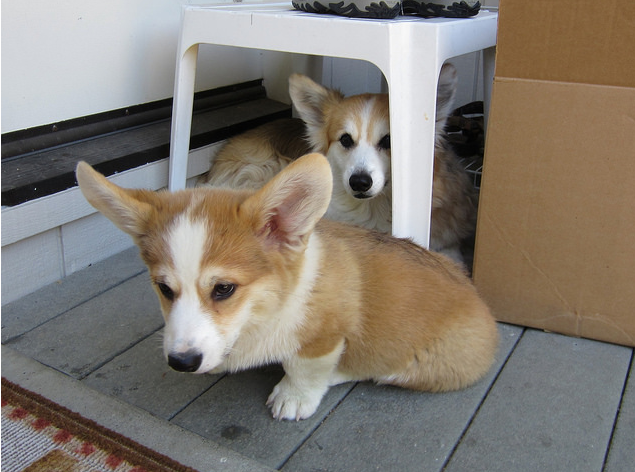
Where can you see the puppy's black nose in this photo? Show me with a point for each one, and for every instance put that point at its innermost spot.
(360, 182)
(188, 361)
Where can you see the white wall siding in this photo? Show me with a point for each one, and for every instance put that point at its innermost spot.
(63, 60)
(104, 240)
(30, 264)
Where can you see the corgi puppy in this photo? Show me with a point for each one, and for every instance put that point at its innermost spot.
(354, 134)
(247, 279)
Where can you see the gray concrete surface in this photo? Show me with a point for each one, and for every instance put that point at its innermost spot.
(181, 445)
(93, 343)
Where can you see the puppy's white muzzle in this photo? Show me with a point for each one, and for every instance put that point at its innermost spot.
(191, 341)
(365, 175)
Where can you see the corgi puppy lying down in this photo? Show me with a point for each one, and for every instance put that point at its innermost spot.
(354, 134)
(251, 278)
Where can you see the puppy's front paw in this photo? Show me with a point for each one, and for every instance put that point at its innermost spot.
(288, 402)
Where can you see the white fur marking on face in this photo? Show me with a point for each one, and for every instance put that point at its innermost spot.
(187, 241)
(365, 157)
(188, 327)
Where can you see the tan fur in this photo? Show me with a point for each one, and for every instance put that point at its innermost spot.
(331, 302)
(259, 154)
(251, 159)
(417, 320)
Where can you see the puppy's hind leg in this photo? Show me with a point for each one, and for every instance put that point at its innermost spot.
(299, 393)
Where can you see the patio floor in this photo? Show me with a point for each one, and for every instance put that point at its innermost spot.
(92, 342)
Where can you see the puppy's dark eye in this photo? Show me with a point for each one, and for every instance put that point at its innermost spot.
(166, 291)
(346, 140)
(222, 291)
(384, 143)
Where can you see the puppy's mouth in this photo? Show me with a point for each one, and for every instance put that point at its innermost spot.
(362, 196)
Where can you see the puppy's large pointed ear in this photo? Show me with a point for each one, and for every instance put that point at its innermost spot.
(121, 206)
(286, 210)
(311, 100)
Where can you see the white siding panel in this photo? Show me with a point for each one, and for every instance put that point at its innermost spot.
(90, 240)
(63, 60)
(30, 264)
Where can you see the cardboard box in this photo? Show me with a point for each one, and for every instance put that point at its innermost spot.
(555, 244)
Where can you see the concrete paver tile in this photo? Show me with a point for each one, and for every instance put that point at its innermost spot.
(31, 311)
(551, 409)
(84, 338)
(141, 376)
(233, 413)
(621, 456)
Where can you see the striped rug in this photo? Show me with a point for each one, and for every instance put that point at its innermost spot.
(39, 435)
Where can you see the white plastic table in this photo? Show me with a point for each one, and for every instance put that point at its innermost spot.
(408, 50)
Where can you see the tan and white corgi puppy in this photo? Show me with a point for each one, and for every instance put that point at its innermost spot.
(354, 134)
(247, 279)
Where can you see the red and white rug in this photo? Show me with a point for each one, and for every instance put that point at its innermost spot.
(40, 435)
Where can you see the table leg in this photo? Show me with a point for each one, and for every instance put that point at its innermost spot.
(412, 122)
(182, 117)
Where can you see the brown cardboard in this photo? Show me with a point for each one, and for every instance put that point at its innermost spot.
(556, 230)
(582, 41)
